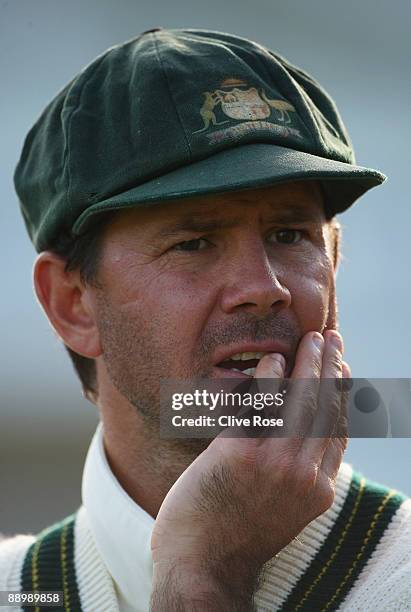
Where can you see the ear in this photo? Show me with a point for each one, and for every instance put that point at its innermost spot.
(67, 303)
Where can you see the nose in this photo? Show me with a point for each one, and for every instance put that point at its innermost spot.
(253, 284)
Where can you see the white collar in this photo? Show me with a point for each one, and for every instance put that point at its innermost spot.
(121, 529)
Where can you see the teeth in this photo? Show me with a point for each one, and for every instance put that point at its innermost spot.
(245, 356)
(249, 371)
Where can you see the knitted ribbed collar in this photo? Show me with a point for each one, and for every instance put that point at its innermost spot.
(121, 529)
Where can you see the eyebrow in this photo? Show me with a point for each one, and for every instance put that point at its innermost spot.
(283, 217)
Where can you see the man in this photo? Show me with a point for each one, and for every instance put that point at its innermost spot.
(181, 192)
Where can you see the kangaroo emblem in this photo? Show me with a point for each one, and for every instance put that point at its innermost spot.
(281, 106)
(240, 103)
(207, 111)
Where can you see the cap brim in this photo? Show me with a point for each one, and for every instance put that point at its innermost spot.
(245, 167)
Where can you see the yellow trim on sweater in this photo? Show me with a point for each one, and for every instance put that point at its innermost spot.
(361, 552)
(34, 570)
(63, 549)
(337, 547)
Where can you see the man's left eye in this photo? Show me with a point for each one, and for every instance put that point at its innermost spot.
(286, 236)
(197, 244)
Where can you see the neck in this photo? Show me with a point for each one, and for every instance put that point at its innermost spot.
(145, 466)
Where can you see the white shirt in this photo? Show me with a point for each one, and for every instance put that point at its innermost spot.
(121, 530)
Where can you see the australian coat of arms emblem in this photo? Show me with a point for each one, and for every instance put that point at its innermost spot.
(241, 104)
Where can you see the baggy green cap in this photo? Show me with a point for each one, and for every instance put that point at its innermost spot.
(174, 114)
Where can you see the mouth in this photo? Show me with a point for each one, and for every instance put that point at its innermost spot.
(242, 364)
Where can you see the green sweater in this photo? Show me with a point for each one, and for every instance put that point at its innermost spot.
(364, 535)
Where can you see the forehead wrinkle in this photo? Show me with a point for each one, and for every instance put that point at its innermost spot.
(211, 215)
(208, 220)
(295, 215)
(198, 225)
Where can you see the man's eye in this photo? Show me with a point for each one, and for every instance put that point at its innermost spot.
(286, 236)
(197, 244)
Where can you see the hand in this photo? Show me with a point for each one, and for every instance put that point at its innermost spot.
(243, 499)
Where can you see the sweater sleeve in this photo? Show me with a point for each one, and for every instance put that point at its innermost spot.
(385, 582)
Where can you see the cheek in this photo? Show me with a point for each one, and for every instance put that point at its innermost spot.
(312, 294)
(170, 306)
(184, 301)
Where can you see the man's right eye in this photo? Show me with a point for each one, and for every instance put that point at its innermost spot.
(197, 244)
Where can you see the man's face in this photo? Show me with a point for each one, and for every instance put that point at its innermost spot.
(186, 285)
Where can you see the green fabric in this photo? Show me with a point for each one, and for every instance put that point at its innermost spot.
(366, 513)
(177, 113)
(49, 566)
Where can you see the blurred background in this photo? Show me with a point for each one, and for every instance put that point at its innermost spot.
(360, 52)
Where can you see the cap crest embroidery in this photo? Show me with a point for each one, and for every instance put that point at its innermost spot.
(240, 104)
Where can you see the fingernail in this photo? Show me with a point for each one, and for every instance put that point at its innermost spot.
(318, 340)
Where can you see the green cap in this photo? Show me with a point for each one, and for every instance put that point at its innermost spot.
(174, 114)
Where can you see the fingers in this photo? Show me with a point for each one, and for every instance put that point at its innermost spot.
(333, 456)
(308, 360)
(335, 450)
(332, 359)
(302, 391)
(329, 396)
(268, 377)
(313, 409)
(342, 425)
